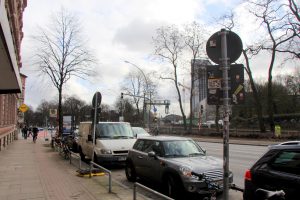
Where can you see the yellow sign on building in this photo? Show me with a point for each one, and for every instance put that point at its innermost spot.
(23, 108)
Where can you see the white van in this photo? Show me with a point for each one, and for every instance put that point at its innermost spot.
(113, 140)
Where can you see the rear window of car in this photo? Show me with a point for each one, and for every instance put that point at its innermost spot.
(287, 161)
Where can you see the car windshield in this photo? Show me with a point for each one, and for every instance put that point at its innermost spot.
(182, 148)
(114, 131)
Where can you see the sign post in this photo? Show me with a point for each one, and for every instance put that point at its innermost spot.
(96, 104)
(223, 47)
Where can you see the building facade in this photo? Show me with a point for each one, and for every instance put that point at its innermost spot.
(199, 100)
(12, 83)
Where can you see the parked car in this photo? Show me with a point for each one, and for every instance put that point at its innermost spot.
(140, 132)
(277, 169)
(175, 163)
(112, 142)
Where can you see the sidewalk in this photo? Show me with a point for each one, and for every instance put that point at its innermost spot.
(35, 171)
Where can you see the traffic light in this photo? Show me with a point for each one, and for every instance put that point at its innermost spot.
(121, 95)
(201, 109)
(155, 119)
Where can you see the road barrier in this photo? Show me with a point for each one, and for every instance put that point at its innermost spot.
(104, 169)
(148, 189)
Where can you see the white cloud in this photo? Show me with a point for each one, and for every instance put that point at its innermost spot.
(119, 30)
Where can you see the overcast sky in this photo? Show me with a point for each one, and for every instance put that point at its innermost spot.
(119, 30)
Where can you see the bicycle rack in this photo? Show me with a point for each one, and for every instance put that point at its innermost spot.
(104, 169)
(71, 154)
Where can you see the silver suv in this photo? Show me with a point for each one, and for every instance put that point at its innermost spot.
(178, 164)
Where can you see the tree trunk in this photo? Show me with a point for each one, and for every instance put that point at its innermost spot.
(270, 92)
(180, 102)
(60, 114)
(258, 105)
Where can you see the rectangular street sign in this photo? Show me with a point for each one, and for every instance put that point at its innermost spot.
(215, 84)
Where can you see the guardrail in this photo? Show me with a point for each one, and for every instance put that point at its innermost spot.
(104, 169)
(148, 189)
(76, 155)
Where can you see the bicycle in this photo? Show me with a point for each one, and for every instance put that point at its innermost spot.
(269, 195)
(64, 148)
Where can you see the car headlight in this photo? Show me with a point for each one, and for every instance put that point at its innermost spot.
(186, 171)
(106, 151)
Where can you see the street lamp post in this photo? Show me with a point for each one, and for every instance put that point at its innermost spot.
(147, 88)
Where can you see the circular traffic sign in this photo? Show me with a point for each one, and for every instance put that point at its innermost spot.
(234, 46)
(99, 98)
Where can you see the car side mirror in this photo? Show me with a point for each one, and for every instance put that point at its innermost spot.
(152, 154)
(90, 138)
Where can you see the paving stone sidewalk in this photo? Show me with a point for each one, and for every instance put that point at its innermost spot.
(35, 171)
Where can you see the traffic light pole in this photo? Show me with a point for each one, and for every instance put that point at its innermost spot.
(225, 67)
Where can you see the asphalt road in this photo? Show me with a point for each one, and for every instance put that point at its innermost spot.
(241, 157)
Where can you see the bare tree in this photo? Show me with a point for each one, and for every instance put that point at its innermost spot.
(169, 45)
(194, 40)
(61, 53)
(134, 85)
(255, 93)
(280, 34)
(137, 86)
(72, 106)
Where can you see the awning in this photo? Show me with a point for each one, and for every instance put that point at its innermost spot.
(10, 80)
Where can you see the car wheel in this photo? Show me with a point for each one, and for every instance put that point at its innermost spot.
(173, 187)
(130, 172)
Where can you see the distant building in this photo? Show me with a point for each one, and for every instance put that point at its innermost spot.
(12, 83)
(199, 101)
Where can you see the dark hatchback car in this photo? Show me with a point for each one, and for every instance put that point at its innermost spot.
(175, 163)
(277, 169)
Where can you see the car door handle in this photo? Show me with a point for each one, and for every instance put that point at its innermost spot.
(140, 157)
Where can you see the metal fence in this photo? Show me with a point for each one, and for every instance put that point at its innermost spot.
(104, 169)
(136, 184)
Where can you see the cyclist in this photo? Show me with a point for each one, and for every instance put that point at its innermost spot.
(35, 131)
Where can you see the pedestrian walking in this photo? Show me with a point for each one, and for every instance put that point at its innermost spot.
(35, 131)
(24, 132)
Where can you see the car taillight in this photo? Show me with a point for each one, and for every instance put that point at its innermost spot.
(248, 175)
